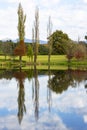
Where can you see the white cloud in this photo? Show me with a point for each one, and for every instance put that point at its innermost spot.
(85, 1)
(67, 17)
(85, 118)
(13, 1)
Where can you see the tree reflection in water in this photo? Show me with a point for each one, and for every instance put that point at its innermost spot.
(49, 94)
(35, 93)
(58, 81)
(20, 76)
(61, 80)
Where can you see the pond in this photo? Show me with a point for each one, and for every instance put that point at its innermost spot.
(43, 100)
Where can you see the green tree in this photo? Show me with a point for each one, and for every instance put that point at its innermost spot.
(21, 23)
(30, 52)
(7, 49)
(43, 49)
(60, 41)
(20, 50)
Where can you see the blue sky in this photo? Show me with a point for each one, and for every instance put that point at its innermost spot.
(70, 16)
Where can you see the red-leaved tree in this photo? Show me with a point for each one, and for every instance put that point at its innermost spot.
(20, 49)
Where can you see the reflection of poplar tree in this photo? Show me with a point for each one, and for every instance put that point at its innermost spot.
(21, 100)
(36, 93)
(20, 76)
(49, 94)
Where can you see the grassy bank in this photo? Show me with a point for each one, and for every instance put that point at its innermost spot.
(57, 62)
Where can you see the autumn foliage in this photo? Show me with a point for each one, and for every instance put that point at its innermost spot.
(20, 50)
(80, 52)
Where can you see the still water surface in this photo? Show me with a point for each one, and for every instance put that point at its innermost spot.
(42, 100)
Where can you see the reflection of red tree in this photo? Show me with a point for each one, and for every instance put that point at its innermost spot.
(20, 76)
(79, 74)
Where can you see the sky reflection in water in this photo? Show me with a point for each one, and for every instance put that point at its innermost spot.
(44, 102)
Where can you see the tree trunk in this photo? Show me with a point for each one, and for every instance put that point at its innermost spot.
(20, 59)
(35, 54)
(49, 55)
(5, 57)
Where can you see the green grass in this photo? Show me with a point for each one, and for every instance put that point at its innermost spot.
(57, 62)
(55, 59)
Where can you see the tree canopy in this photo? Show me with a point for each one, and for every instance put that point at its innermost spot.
(20, 50)
(59, 40)
(21, 23)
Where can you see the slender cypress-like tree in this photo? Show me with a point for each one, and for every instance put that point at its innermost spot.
(36, 29)
(20, 49)
(33, 39)
(49, 32)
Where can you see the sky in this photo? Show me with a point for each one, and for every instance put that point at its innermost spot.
(70, 16)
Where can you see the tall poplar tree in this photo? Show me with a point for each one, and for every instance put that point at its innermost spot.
(49, 32)
(33, 39)
(20, 50)
(36, 31)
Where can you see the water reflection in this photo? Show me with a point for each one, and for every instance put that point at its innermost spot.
(61, 80)
(45, 99)
(49, 94)
(35, 93)
(20, 77)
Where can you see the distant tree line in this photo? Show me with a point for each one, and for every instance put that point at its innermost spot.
(62, 45)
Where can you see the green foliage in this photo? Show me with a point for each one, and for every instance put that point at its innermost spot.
(43, 50)
(59, 40)
(21, 22)
(20, 50)
(7, 48)
(30, 52)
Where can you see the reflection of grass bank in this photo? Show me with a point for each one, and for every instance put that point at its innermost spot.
(57, 62)
(45, 67)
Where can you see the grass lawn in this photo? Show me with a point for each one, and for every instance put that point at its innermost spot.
(57, 62)
(55, 59)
